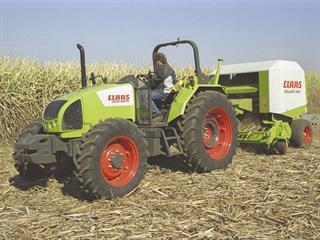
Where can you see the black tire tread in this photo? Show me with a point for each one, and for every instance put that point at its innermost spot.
(297, 127)
(86, 156)
(188, 127)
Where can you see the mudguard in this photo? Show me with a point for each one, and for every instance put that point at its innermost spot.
(184, 96)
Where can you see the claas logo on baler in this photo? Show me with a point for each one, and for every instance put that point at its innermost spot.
(292, 84)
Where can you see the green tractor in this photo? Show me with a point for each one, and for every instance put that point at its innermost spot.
(106, 132)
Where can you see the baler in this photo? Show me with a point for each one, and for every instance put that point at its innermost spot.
(270, 101)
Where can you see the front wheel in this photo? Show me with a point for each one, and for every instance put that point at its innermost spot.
(111, 161)
(209, 131)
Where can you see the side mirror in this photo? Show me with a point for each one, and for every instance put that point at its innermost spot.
(92, 78)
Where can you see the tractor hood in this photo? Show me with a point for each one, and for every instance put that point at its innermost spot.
(74, 114)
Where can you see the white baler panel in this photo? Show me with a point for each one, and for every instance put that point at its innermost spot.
(258, 67)
(287, 90)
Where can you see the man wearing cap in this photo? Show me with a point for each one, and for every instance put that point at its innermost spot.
(162, 81)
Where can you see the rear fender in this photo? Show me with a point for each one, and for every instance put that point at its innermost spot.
(180, 102)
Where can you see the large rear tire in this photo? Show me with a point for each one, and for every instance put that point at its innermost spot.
(111, 160)
(209, 131)
(301, 133)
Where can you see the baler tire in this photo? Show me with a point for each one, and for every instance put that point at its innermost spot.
(29, 172)
(117, 140)
(209, 131)
(301, 133)
(282, 147)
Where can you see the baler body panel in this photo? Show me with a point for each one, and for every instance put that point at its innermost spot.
(281, 86)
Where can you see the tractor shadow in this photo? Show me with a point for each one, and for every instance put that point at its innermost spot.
(173, 164)
(24, 185)
(258, 150)
(70, 186)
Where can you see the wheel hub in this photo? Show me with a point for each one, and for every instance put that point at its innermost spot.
(119, 161)
(217, 133)
(210, 134)
(116, 160)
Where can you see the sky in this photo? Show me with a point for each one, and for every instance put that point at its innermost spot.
(127, 31)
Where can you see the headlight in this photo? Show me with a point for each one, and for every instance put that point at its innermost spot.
(72, 118)
(52, 110)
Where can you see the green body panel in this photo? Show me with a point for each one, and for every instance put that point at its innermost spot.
(241, 89)
(272, 132)
(93, 110)
(296, 112)
(185, 94)
(264, 92)
(241, 105)
(180, 102)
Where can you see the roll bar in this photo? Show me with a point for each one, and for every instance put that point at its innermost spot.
(202, 78)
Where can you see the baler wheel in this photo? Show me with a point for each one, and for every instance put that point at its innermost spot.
(301, 133)
(282, 147)
(112, 158)
(209, 131)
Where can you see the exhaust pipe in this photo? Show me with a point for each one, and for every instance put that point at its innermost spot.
(83, 66)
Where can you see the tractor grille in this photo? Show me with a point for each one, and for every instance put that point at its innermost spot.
(72, 118)
(52, 110)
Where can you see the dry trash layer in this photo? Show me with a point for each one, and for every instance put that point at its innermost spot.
(257, 197)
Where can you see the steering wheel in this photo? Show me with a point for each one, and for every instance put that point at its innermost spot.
(143, 78)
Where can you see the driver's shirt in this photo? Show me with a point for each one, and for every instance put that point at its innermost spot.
(164, 78)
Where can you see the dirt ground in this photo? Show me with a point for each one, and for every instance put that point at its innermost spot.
(257, 197)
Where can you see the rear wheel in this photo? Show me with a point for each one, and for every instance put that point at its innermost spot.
(209, 131)
(111, 161)
(301, 133)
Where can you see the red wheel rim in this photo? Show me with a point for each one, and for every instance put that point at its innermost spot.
(307, 135)
(119, 161)
(217, 133)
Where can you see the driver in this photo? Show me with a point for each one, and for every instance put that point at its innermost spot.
(162, 81)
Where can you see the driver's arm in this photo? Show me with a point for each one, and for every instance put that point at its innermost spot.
(155, 80)
(162, 72)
